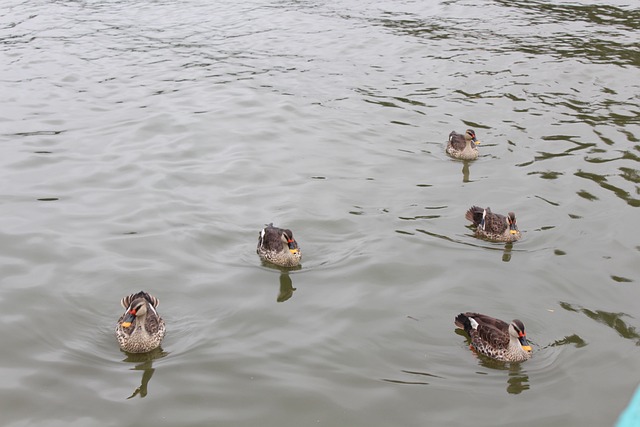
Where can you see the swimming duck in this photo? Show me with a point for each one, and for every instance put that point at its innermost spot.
(463, 146)
(140, 329)
(494, 338)
(278, 246)
(493, 226)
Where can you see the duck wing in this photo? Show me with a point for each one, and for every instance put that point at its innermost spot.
(270, 239)
(474, 214)
(488, 330)
(154, 323)
(495, 223)
(126, 301)
(457, 141)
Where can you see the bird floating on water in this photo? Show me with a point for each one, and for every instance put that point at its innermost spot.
(277, 246)
(463, 147)
(495, 338)
(140, 329)
(492, 226)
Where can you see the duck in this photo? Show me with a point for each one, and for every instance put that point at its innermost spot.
(495, 338)
(277, 246)
(463, 146)
(140, 329)
(492, 226)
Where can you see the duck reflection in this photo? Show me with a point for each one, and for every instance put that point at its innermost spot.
(286, 284)
(506, 253)
(144, 363)
(286, 287)
(517, 380)
(465, 171)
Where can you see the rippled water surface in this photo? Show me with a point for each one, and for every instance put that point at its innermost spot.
(143, 145)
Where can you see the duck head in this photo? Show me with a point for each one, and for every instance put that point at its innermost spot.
(137, 308)
(516, 330)
(511, 219)
(470, 134)
(287, 238)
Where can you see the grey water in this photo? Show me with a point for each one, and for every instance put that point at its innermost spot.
(144, 144)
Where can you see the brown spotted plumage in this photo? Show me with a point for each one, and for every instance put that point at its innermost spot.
(494, 338)
(463, 146)
(140, 328)
(277, 246)
(492, 226)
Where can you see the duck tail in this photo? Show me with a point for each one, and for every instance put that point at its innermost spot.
(474, 214)
(126, 301)
(463, 322)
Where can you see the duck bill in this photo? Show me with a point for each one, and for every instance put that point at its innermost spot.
(524, 343)
(293, 247)
(475, 141)
(513, 229)
(128, 319)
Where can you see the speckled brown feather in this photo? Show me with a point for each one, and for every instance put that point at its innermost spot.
(496, 226)
(457, 140)
(146, 332)
(460, 148)
(272, 246)
(491, 337)
(126, 301)
(490, 330)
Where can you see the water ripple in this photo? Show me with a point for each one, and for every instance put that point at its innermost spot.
(145, 143)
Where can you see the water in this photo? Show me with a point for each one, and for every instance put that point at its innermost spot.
(144, 144)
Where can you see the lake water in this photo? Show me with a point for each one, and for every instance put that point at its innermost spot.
(144, 144)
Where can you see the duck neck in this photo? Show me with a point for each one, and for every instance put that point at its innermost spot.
(141, 323)
(516, 347)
